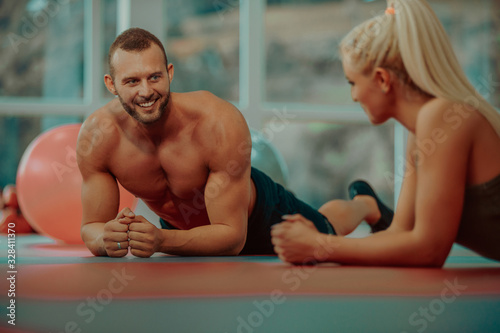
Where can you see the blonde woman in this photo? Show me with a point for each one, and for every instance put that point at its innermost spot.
(401, 65)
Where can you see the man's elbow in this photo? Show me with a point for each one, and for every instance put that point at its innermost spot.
(235, 250)
(96, 253)
(230, 253)
(235, 246)
(90, 243)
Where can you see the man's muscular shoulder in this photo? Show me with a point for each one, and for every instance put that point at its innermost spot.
(221, 129)
(219, 121)
(98, 135)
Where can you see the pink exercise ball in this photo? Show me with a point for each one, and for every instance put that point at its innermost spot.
(49, 185)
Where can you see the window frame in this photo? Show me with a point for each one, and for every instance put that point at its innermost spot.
(251, 82)
(92, 99)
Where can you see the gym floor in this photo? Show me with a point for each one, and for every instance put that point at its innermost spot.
(63, 288)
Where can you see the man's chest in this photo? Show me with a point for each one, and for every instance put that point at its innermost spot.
(165, 174)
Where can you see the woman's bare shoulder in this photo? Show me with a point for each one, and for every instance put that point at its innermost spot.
(442, 117)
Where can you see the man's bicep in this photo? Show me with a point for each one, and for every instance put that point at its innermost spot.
(227, 198)
(227, 195)
(100, 197)
(228, 187)
(227, 192)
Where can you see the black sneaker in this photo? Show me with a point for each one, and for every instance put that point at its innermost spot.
(360, 187)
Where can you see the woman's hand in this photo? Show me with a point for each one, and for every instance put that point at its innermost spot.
(296, 240)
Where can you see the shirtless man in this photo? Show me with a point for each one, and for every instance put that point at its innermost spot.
(186, 155)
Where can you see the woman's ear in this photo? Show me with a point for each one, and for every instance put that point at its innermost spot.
(383, 79)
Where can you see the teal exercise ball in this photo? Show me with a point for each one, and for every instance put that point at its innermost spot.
(268, 159)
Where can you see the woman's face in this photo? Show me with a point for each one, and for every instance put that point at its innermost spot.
(368, 92)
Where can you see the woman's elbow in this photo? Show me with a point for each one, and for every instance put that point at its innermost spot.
(432, 255)
(434, 261)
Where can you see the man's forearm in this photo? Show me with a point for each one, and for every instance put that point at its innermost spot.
(92, 236)
(210, 240)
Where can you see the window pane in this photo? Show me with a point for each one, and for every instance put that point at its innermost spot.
(323, 159)
(16, 133)
(109, 22)
(203, 44)
(42, 50)
(474, 30)
(302, 37)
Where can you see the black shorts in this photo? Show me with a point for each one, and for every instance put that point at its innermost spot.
(272, 201)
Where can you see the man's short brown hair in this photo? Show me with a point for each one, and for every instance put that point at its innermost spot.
(134, 39)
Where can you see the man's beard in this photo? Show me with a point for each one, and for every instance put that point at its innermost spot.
(149, 119)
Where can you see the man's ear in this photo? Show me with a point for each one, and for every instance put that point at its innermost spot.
(108, 81)
(170, 71)
(383, 79)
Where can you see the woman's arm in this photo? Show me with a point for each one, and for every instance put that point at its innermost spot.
(436, 192)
